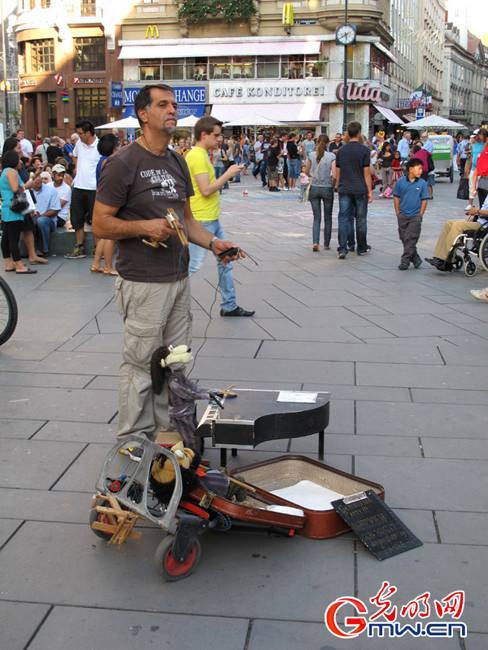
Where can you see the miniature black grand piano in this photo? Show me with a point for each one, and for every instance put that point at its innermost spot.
(257, 416)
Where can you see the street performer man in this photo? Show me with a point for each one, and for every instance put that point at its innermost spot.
(137, 186)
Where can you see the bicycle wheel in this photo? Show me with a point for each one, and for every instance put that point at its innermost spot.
(8, 312)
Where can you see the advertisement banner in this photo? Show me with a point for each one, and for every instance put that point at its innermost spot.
(191, 99)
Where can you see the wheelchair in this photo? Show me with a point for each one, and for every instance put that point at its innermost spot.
(467, 247)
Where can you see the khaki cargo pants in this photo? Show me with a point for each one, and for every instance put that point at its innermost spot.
(154, 314)
(450, 230)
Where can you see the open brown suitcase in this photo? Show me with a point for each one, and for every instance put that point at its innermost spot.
(284, 471)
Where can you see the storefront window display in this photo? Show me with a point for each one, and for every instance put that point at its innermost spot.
(197, 68)
(150, 70)
(173, 69)
(91, 104)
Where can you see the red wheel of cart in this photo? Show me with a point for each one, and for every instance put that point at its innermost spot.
(168, 564)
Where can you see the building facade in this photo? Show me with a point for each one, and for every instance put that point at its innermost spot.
(68, 58)
(250, 68)
(9, 83)
(465, 82)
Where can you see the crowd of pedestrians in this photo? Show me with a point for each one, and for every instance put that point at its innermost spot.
(60, 179)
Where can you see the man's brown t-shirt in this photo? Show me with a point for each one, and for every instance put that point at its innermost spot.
(143, 186)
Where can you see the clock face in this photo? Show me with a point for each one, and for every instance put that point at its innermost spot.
(346, 34)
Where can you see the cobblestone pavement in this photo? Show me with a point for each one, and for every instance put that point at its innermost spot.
(404, 356)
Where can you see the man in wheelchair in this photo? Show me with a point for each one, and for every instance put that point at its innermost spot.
(476, 218)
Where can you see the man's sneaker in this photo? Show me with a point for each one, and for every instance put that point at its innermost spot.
(403, 266)
(237, 312)
(341, 255)
(77, 253)
(417, 262)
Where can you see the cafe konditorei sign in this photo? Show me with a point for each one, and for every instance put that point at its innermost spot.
(326, 91)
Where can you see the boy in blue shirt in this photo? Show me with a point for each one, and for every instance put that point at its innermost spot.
(410, 198)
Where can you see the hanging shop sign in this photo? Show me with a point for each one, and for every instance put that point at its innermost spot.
(359, 92)
(88, 80)
(27, 83)
(116, 94)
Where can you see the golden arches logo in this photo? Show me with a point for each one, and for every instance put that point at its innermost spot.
(152, 31)
(288, 14)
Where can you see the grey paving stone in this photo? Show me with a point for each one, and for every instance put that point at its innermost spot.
(45, 505)
(476, 641)
(418, 376)
(368, 393)
(349, 352)
(439, 420)
(82, 628)
(7, 529)
(19, 428)
(365, 332)
(270, 385)
(231, 328)
(83, 474)
(460, 448)
(414, 325)
(277, 635)
(43, 380)
(367, 310)
(438, 568)
(368, 445)
(473, 356)
(333, 298)
(439, 483)
(18, 622)
(77, 432)
(449, 396)
(102, 343)
(34, 464)
(104, 382)
(420, 522)
(41, 403)
(28, 350)
(284, 330)
(109, 322)
(234, 348)
(275, 370)
(81, 570)
(463, 527)
(74, 342)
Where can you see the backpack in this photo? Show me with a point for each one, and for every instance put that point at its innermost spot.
(430, 163)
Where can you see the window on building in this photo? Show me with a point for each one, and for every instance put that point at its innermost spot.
(45, 4)
(88, 7)
(150, 70)
(197, 68)
(21, 57)
(313, 67)
(89, 53)
(292, 67)
(220, 68)
(173, 69)
(91, 104)
(41, 55)
(268, 67)
(52, 114)
(243, 67)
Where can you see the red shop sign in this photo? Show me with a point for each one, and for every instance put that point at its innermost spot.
(359, 93)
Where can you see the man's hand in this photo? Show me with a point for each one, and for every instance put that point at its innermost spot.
(370, 197)
(221, 245)
(472, 212)
(234, 170)
(157, 229)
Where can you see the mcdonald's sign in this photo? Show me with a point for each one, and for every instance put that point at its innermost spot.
(288, 14)
(152, 31)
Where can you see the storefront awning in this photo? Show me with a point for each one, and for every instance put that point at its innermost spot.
(386, 52)
(284, 113)
(388, 114)
(188, 50)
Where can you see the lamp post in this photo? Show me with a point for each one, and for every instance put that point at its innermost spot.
(4, 57)
(344, 101)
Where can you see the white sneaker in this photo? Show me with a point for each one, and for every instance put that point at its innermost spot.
(480, 294)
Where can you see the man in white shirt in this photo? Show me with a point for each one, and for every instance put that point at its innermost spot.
(85, 158)
(25, 145)
(64, 193)
(404, 145)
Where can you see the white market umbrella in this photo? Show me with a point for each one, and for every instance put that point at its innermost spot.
(189, 121)
(130, 122)
(252, 120)
(434, 122)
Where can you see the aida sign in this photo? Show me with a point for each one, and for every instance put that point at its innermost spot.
(359, 92)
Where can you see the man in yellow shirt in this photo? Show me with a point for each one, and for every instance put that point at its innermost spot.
(205, 206)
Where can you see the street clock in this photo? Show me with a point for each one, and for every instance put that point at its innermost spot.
(346, 34)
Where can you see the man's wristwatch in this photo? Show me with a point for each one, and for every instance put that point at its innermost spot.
(211, 244)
